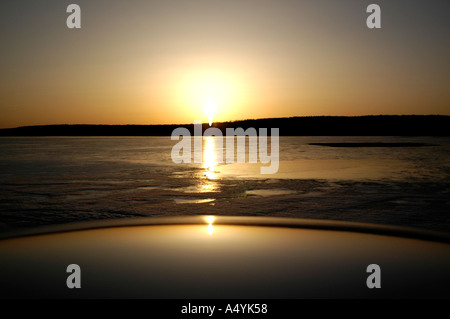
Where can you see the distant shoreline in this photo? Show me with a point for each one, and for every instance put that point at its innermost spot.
(376, 144)
(373, 125)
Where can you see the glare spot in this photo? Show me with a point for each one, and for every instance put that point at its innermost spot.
(209, 219)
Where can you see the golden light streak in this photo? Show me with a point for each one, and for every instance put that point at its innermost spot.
(210, 220)
(209, 158)
(210, 229)
(210, 109)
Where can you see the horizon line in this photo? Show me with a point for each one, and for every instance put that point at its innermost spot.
(234, 121)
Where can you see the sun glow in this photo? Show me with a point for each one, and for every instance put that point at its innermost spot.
(210, 220)
(210, 94)
(210, 109)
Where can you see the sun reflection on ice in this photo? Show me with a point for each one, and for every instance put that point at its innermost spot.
(209, 157)
(209, 165)
(210, 229)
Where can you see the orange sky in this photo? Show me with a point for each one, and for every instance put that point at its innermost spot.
(160, 62)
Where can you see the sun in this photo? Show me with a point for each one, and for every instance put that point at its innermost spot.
(209, 94)
(210, 109)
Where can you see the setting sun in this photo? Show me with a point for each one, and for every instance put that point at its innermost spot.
(209, 93)
(210, 109)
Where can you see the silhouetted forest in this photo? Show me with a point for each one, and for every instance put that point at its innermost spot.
(379, 125)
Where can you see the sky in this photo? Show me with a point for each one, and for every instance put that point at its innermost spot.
(175, 61)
